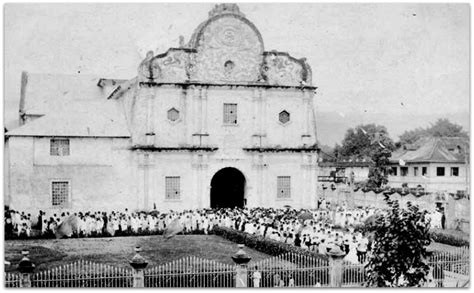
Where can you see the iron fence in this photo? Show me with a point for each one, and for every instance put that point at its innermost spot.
(191, 272)
(83, 274)
(12, 280)
(290, 269)
(449, 269)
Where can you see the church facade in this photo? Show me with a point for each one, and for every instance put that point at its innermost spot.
(216, 122)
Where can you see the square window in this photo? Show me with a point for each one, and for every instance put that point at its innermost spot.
(424, 171)
(230, 113)
(394, 171)
(403, 171)
(172, 184)
(415, 171)
(60, 193)
(455, 171)
(440, 171)
(59, 147)
(283, 187)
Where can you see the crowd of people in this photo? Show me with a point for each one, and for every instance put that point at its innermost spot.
(322, 227)
(318, 230)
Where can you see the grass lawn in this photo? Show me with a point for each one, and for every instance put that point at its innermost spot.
(119, 251)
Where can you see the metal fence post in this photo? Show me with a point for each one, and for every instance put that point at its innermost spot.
(241, 259)
(26, 268)
(336, 268)
(138, 264)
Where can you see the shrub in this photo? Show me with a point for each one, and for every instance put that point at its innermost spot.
(262, 244)
(449, 237)
(399, 249)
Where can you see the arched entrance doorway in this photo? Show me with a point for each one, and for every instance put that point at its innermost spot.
(227, 189)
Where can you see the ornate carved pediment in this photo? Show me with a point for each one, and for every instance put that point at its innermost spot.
(282, 69)
(168, 67)
(226, 48)
(229, 49)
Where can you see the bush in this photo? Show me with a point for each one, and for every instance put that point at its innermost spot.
(262, 244)
(449, 237)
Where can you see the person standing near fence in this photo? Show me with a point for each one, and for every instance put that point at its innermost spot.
(256, 276)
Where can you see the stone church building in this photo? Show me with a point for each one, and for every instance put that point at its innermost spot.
(217, 122)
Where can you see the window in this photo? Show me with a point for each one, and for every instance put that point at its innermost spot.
(440, 171)
(228, 68)
(403, 171)
(394, 171)
(60, 193)
(173, 114)
(283, 187)
(172, 187)
(284, 117)
(230, 113)
(424, 171)
(455, 171)
(415, 171)
(59, 147)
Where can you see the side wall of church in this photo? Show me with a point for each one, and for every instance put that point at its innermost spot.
(97, 169)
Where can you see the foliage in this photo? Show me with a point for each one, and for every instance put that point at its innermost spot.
(363, 141)
(441, 128)
(399, 249)
(378, 173)
(453, 238)
(370, 142)
(260, 243)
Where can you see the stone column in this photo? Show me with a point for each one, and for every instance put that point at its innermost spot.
(336, 268)
(138, 264)
(241, 259)
(26, 268)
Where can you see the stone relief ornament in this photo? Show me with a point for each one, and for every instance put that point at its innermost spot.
(168, 67)
(144, 69)
(228, 50)
(280, 69)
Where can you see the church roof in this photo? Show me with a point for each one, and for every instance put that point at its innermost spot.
(102, 118)
(434, 150)
(43, 93)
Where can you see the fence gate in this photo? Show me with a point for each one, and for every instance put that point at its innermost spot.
(83, 274)
(290, 269)
(190, 272)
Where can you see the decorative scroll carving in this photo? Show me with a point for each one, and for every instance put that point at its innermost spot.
(168, 67)
(149, 69)
(225, 8)
(228, 50)
(283, 70)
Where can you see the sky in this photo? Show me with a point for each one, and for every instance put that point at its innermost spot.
(399, 65)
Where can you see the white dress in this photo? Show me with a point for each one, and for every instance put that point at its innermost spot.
(352, 255)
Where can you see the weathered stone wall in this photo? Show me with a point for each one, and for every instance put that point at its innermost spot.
(99, 171)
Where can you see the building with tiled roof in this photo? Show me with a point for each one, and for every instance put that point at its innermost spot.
(433, 163)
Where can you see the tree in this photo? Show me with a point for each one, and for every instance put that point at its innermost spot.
(363, 141)
(441, 128)
(399, 249)
(378, 172)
